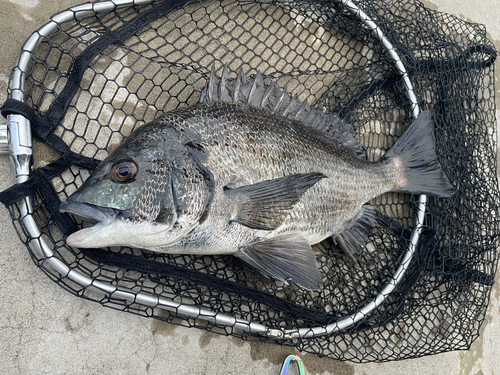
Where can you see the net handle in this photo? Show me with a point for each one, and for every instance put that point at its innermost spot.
(20, 139)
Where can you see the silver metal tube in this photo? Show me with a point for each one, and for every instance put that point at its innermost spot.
(20, 146)
(4, 139)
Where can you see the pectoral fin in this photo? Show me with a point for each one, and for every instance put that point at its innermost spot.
(264, 205)
(286, 257)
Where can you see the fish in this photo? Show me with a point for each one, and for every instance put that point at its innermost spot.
(253, 172)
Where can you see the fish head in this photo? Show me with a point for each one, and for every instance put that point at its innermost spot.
(150, 192)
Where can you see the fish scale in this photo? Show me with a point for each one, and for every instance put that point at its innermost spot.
(147, 206)
(289, 150)
(254, 173)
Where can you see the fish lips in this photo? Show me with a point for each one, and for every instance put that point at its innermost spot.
(99, 216)
(88, 211)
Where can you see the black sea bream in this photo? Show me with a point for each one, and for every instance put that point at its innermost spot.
(252, 172)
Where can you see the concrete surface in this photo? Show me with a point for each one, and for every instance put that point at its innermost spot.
(46, 330)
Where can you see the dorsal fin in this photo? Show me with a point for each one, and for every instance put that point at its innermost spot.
(225, 90)
(255, 92)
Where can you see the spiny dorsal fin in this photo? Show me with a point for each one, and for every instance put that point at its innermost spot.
(293, 106)
(282, 101)
(302, 112)
(225, 90)
(242, 88)
(255, 92)
(269, 96)
(209, 92)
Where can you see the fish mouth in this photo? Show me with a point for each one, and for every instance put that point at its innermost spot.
(112, 227)
(90, 212)
(99, 216)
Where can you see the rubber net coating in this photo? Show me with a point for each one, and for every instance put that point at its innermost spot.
(322, 53)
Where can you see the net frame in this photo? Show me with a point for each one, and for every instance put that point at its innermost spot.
(21, 149)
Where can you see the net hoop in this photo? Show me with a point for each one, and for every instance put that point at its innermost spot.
(21, 152)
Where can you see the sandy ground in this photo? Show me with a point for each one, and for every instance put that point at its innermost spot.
(46, 330)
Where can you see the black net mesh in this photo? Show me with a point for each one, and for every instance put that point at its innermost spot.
(321, 52)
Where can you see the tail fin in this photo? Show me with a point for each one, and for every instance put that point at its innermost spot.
(415, 150)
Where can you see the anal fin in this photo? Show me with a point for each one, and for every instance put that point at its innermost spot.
(286, 257)
(353, 239)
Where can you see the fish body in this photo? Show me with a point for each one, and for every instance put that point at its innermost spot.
(262, 177)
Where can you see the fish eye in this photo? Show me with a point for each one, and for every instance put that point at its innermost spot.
(124, 171)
